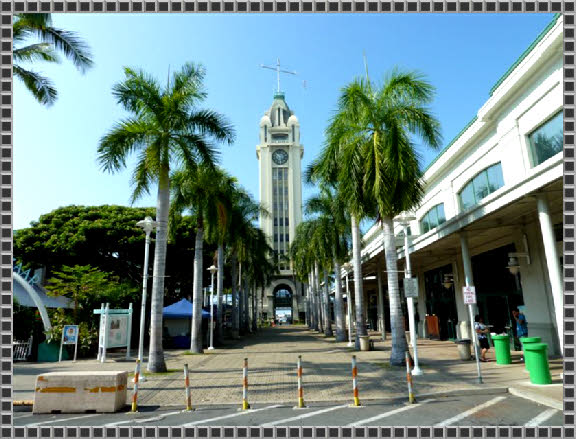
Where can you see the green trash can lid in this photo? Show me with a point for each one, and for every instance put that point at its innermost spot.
(499, 337)
(530, 339)
(536, 347)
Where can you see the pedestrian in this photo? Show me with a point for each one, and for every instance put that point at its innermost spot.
(481, 331)
(521, 326)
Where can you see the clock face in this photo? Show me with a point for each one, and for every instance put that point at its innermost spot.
(280, 156)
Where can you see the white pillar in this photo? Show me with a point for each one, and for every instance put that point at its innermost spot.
(381, 315)
(552, 264)
(469, 281)
(410, 302)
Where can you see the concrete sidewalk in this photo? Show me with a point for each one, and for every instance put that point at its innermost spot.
(216, 376)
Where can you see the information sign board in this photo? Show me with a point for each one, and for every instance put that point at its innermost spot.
(469, 295)
(411, 287)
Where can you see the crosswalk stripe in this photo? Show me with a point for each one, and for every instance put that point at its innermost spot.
(390, 413)
(63, 420)
(244, 412)
(143, 420)
(306, 415)
(542, 417)
(467, 413)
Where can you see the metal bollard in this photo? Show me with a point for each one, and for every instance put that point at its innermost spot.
(245, 405)
(411, 398)
(187, 385)
(354, 384)
(135, 394)
(300, 390)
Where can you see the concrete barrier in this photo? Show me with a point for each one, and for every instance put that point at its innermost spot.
(78, 392)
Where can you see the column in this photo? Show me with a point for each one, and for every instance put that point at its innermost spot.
(381, 315)
(552, 264)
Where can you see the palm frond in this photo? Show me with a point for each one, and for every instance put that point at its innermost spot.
(40, 87)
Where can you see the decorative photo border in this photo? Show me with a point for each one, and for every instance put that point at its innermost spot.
(8, 8)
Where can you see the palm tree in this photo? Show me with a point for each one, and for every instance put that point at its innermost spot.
(52, 42)
(371, 139)
(329, 205)
(204, 191)
(166, 129)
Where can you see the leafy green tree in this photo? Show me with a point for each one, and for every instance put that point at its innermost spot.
(166, 129)
(52, 41)
(370, 154)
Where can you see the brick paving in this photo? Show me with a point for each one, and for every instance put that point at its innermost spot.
(216, 376)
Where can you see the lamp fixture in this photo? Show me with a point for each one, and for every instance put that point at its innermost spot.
(448, 280)
(513, 264)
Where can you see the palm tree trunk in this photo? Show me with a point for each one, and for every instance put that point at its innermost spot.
(240, 301)
(254, 309)
(235, 304)
(358, 287)
(399, 345)
(246, 307)
(196, 338)
(261, 306)
(313, 310)
(318, 294)
(338, 304)
(156, 361)
(328, 325)
(220, 292)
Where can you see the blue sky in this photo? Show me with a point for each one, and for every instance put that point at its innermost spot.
(462, 55)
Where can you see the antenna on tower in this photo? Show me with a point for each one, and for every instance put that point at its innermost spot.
(278, 71)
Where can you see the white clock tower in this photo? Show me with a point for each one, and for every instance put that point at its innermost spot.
(279, 158)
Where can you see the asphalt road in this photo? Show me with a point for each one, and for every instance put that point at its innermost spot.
(474, 410)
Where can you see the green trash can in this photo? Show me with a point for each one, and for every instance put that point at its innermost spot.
(525, 341)
(502, 348)
(539, 370)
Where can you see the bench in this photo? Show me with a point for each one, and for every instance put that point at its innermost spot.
(79, 392)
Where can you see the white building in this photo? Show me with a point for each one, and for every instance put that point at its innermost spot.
(496, 189)
(279, 159)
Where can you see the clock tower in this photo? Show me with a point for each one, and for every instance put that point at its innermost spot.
(279, 160)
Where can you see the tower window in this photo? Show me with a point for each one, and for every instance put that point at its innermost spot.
(265, 133)
(293, 134)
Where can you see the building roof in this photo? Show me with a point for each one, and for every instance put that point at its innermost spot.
(23, 297)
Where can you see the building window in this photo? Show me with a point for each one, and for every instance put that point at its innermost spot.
(265, 133)
(293, 134)
(483, 184)
(546, 140)
(433, 218)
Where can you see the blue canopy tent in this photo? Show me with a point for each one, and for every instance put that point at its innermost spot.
(177, 322)
(182, 310)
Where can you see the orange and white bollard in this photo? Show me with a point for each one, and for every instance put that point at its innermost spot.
(354, 383)
(300, 390)
(245, 405)
(187, 385)
(135, 394)
(411, 398)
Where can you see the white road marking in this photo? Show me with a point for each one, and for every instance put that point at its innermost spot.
(244, 412)
(306, 415)
(390, 413)
(542, 417)
(467, 413)
(23, 416)
(63, 420)
(143, 420)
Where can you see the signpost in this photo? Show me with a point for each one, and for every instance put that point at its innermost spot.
(470, 300)
(69, 336)
(115, 330)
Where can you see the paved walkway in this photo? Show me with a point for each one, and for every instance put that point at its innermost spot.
(216, 377)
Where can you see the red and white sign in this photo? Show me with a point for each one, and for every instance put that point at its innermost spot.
(469, 295)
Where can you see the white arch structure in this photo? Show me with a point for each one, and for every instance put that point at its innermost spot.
(41, 308)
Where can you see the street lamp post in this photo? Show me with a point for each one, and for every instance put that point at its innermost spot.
(212, 269)
(347, 267)
(404, 222)
(148, 225)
